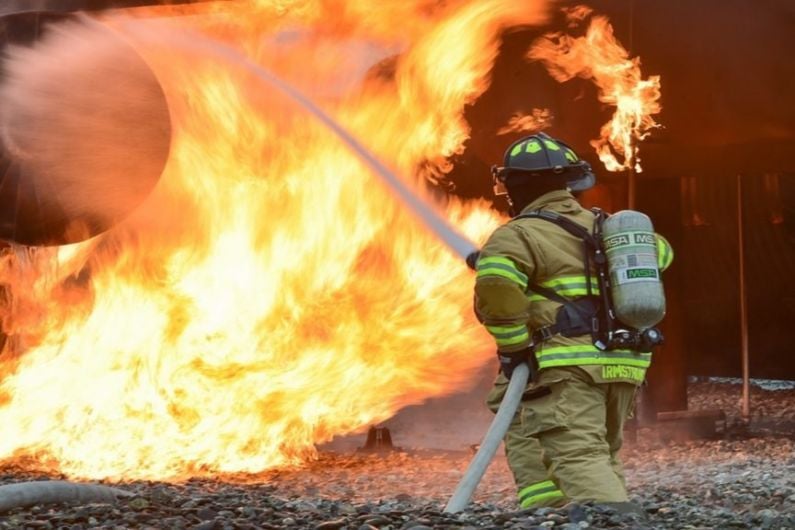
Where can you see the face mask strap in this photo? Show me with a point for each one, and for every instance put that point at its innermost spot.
(498, 178)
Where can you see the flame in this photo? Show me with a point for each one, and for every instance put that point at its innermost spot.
(537, 120)
(271, 293)
(598, 56)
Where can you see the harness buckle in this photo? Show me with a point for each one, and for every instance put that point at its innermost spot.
(543, 334)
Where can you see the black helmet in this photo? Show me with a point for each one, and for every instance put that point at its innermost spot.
(541, 155)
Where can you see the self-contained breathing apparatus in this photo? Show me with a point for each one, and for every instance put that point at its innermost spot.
(621, 251)
(630, 299)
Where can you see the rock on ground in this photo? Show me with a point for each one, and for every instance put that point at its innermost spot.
(744, 480)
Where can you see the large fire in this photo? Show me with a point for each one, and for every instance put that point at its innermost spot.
(271, 293)
(599, 56)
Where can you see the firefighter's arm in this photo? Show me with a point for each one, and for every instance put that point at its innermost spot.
(504, 268)
(665, 253)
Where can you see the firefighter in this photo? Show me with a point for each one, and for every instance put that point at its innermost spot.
(564, 441)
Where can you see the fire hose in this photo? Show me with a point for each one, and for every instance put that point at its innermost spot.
(491, 441)
(26, 494)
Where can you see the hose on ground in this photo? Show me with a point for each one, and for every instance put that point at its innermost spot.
(491, 441)
(26, 494)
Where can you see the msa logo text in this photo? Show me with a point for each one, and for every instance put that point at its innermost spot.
(616, 241)
(636, 274)
(645, 239)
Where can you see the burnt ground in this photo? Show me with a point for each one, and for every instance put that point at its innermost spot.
(743, 478)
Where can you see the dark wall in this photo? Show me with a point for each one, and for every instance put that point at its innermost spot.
(727, 85)
(713, 282)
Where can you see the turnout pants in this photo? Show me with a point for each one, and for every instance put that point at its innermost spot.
(564, 442)
(535, 486)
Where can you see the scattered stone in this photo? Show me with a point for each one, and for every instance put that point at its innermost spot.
(741, 481)
(577, 513)
(331, 525)
(138, 503)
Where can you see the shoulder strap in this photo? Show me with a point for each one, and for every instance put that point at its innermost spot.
(564, 222)
(591, 242)
(593, 250)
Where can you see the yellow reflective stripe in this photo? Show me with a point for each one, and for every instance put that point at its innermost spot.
(538, 492)
(499, 266)
(548, 363)
(500, 330)
(535, 499)
(665, 253)
(532, 488)
(569, 286)
(565, 281)
(503, 273)
(591, 349)
(567, 293)
(509, 335)
(586, 354)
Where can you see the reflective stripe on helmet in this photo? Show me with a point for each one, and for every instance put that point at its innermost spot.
(552, 145)
(532, 147)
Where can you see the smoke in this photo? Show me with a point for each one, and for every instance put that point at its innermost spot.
(86, 121)
(456, 422)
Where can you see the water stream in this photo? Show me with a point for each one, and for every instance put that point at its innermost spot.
(194, 42)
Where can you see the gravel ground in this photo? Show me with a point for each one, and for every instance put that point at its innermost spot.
(746, 479)
(772, 411)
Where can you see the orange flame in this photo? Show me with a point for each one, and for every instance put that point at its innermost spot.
(270, 294)
(600, 57)
(537, 120)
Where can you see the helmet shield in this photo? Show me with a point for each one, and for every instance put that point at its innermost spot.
(584, 182)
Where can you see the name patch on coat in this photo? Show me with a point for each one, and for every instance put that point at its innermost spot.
(623, 372)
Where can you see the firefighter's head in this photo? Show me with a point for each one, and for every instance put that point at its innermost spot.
(536, 165)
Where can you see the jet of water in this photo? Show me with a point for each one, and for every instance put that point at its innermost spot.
(192, 41)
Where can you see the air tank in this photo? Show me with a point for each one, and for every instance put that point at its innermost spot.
(635, 284)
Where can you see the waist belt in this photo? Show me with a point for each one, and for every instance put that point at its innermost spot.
(543, 334)
(575, 318)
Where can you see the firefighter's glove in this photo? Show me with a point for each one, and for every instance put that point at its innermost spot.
(472, 260)
(510, 360)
